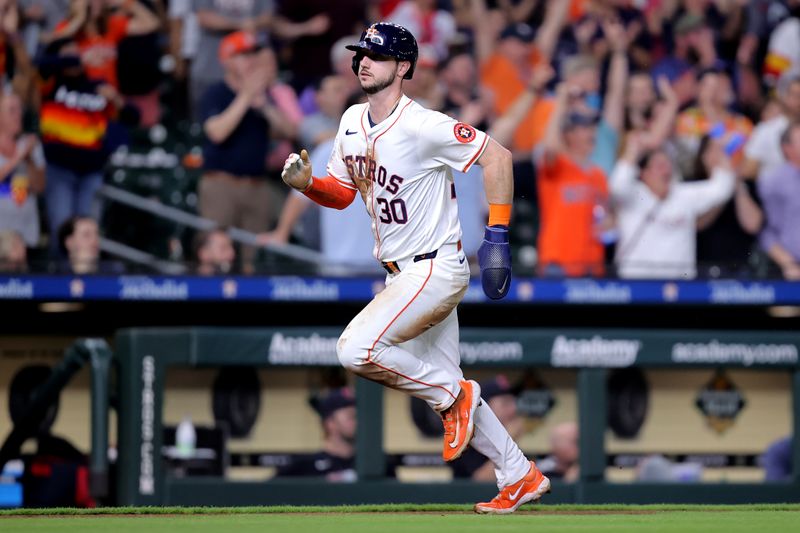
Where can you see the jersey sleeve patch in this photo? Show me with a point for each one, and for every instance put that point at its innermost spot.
(464, 132)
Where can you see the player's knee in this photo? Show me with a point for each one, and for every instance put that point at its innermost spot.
(351, 355)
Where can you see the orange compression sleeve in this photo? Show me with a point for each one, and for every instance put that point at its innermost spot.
(330, 192)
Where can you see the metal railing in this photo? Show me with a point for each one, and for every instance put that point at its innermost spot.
(158, 209)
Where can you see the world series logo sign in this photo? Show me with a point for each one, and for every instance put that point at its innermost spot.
(721, 402)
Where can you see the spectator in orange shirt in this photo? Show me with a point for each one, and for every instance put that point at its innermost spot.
(506, 59)
(582, 74)
(98, 26)
(572, 192)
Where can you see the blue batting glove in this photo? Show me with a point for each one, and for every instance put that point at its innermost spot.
(494, 258)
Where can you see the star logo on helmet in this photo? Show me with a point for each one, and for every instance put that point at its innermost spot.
(374, 36)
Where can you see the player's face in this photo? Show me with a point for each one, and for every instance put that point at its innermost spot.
(376, 72)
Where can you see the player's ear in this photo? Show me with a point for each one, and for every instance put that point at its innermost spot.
(402, 68)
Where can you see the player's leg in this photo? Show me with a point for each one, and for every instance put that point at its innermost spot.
(413, 302)
(439, 346)
(517, 478)
(421, 296)
(492, 440)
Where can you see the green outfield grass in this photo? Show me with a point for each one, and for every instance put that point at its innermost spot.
(408, 518)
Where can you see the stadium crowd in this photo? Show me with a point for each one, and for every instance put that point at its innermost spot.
(651, 138)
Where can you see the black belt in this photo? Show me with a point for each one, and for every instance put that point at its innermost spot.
(392, 268)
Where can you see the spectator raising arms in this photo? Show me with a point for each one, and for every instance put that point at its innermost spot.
(657, 215)
(714, 99)
(727, 232)
(98, 26)
(506, 57)
(571, 189)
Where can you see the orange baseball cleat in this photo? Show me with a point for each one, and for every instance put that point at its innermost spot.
(530, 488)
(459, 421)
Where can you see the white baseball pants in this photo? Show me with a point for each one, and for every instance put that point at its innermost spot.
(407, 338)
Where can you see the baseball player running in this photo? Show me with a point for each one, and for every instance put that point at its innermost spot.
(398, 156)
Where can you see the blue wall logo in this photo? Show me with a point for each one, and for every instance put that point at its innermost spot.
(144, 288)
(15, 289)
(587, 291)
(735, 292)
(298, 289)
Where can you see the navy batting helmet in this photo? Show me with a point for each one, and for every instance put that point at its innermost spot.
(387, 39)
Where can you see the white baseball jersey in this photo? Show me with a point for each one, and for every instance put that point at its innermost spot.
(407, 336)
(412, 199)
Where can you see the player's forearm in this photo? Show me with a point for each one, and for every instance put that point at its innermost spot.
(327, 191)
(498, 176)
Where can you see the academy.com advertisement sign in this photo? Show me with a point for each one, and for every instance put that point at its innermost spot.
(596, 351)
(734, 353)
(312, 349)
(570, 348)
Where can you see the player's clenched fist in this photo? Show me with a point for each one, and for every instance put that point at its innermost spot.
(297, 171)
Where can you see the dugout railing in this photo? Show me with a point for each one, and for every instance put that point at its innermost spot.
(144, 355)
